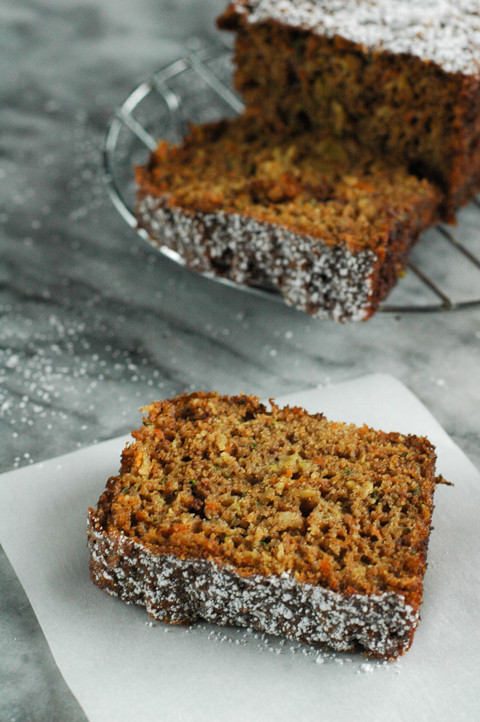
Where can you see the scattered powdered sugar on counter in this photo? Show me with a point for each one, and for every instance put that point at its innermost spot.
(278, 646)
(265, 643)
(63, 372)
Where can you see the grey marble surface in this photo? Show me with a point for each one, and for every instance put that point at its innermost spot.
(94, 323)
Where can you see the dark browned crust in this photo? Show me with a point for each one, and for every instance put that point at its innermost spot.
(390, 262)
(381, 627)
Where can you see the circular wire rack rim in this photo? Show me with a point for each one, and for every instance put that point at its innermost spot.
(158, 85)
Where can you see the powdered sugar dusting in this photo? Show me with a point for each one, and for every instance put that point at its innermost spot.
(184, 590)
(328, 281)
(446, 32)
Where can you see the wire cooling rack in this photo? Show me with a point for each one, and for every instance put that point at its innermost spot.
(444, 269)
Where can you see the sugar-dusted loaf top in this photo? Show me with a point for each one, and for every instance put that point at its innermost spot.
(446, 32)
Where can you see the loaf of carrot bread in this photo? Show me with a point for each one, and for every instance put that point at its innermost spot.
(402, 77)
(325, 222)
(271, 519)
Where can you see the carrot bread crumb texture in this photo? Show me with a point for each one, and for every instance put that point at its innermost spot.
(325, 222)
(274, 519)
(403, 78)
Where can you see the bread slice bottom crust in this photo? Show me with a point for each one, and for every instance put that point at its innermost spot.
(182, 591)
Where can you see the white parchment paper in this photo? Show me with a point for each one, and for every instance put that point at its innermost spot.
(120, 666)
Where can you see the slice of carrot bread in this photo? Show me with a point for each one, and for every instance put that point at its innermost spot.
(402, 77)
(323, 221)
(271, 519)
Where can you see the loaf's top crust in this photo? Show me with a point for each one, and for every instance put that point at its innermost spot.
(444, 32)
